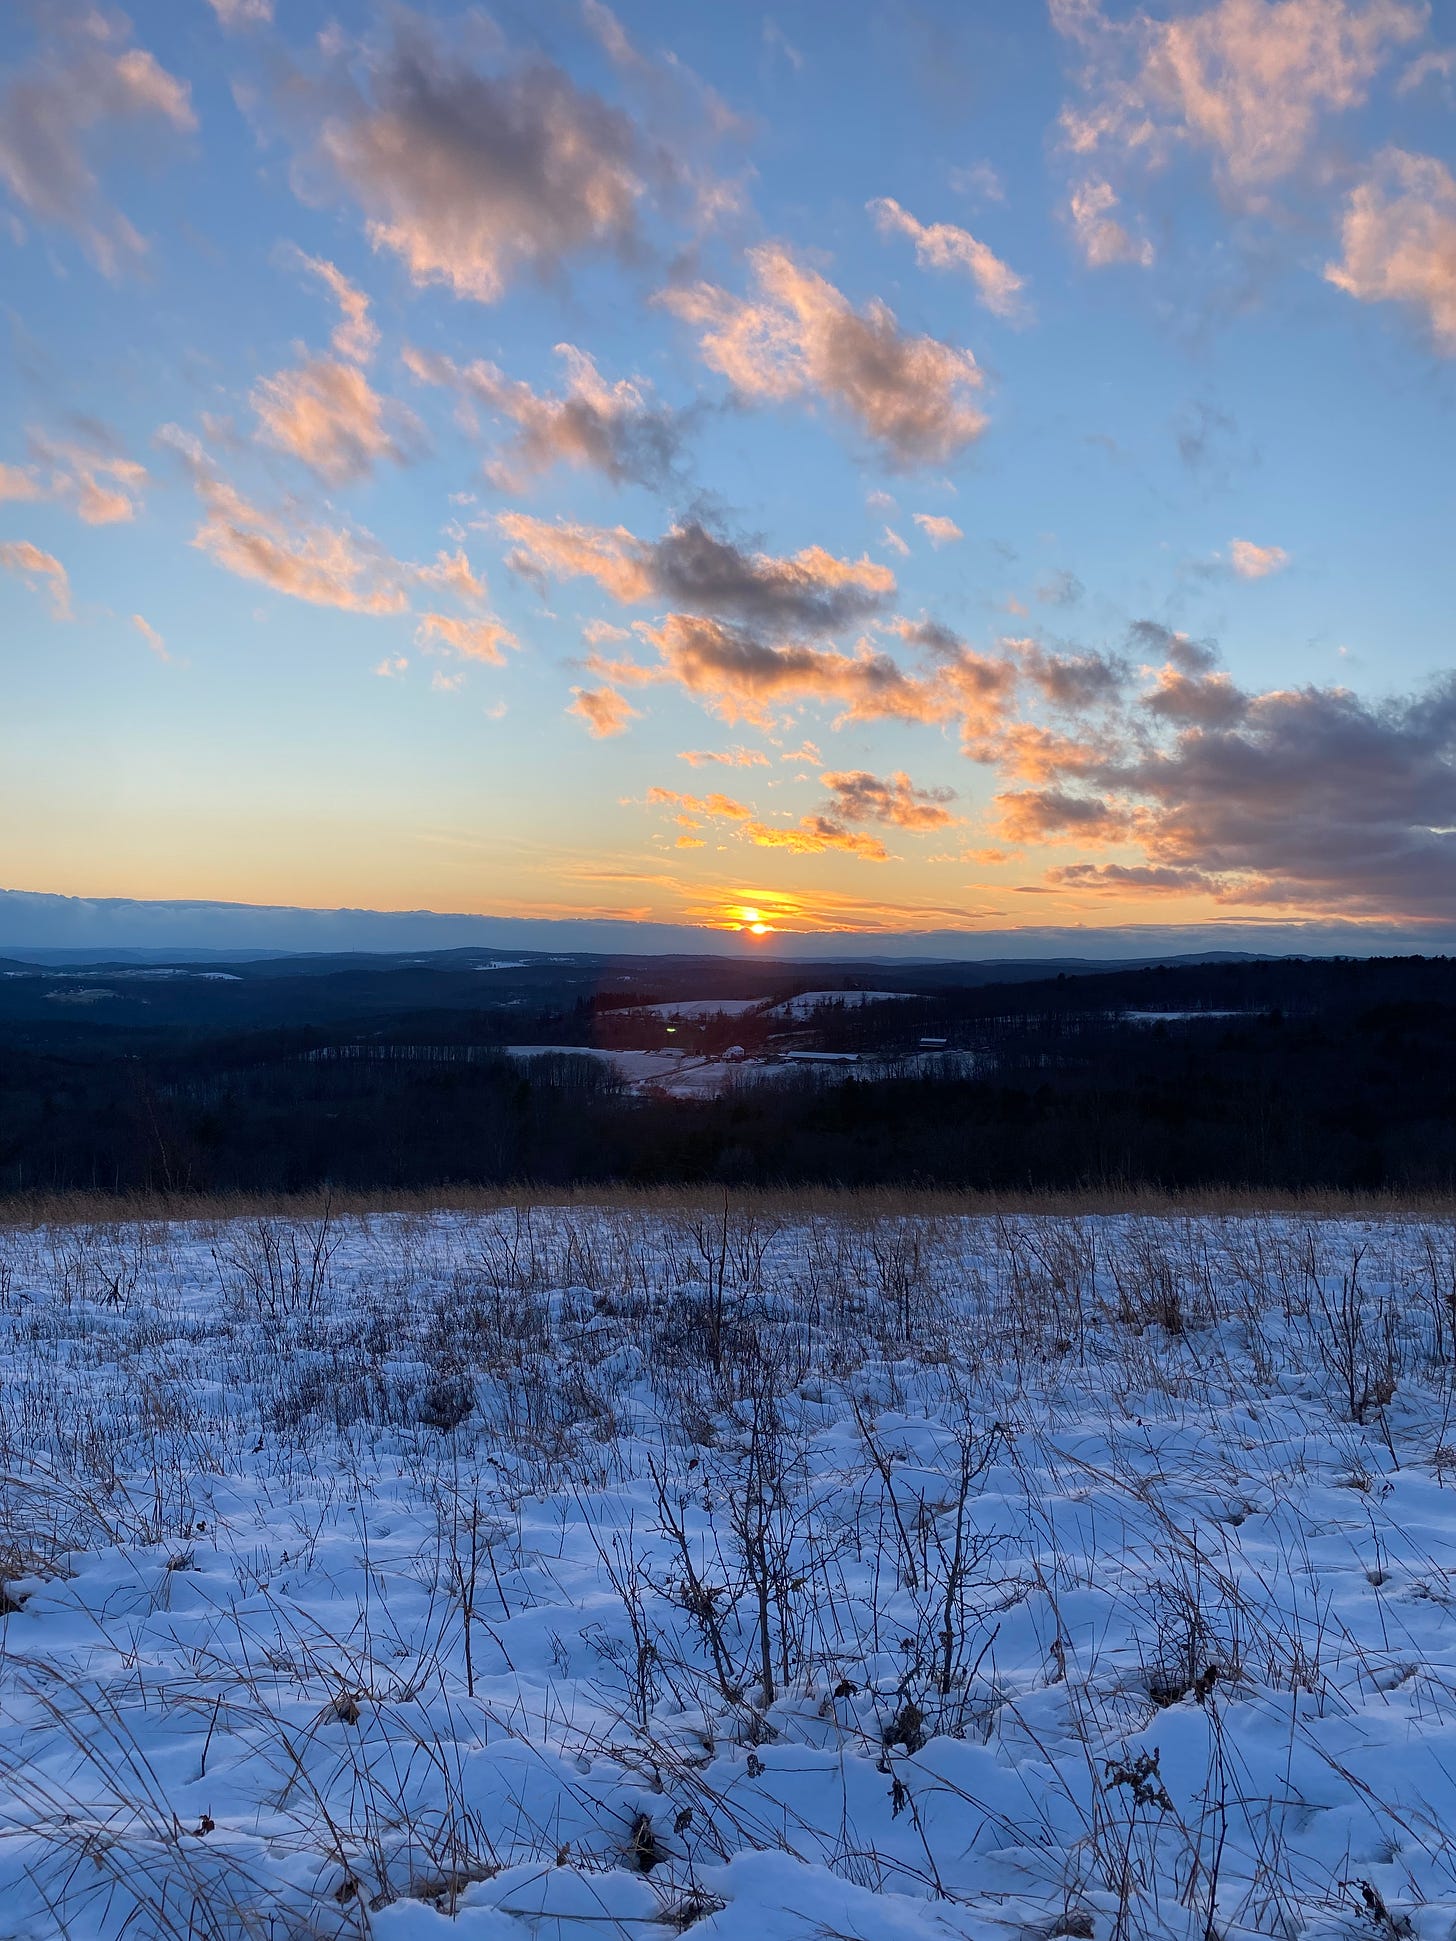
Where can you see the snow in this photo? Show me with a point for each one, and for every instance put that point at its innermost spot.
(1177, 1017)
(681, 1074)
(700, 1007)
(365, 1575)
(808, 1002)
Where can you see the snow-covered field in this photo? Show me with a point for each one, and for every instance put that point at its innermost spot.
(556, 1575)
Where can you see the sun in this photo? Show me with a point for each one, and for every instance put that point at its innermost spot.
(752, 921)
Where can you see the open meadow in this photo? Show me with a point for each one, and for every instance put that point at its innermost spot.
(558, 1573)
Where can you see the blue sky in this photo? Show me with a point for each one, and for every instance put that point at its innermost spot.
(1015, 442)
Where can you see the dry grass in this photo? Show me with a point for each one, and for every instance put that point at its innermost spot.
(845, 1203)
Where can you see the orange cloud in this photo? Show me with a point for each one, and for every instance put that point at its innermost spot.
(896, 801)
(812, 835)
(813, 591)
(455, 574)
(721, 806)
(355, 336)
(1102, 239)
(324, 565)
(38, 569)
(328, 416)
(939, 530)
(1399, 240)
(729, 758)
(740, 676)
(101, 484)
(1248, 81)
(798, 335)
(604, 711)
(1253, 562)
(612, 557)
(150, 635)
(943, 246)
(18, 484)
(482, 640)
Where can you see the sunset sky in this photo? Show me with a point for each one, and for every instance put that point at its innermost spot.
(850, 467)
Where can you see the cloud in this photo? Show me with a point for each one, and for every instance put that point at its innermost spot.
(612, 428)
(454, 573)
(235, 15)
(778, 42)
(893, 800)
(355, 337)
(329, 417)
(604, 711)
(811, 592)
(1061, 589)
(1101, 238)
(1121, 877)
(84, 80)
(150, 635)
(1436, 64)
(742, 677)
(896, 544)
(1201, 701)
(38, 569)
(474, 179)
(1072, 683)
(18, 484)
(483, 640)
(1253, 562)
(979, 180)
(1314, 796)
(944, 246)
(610, 32)
(1399, 240)
(323, 565)
(797, 335)
(723, 807)
(1309, 798)
(727, 758)
(1247, 82)
(1049, 815)
(612, 556)
(939, 530)
(812, 835)
(102, 485)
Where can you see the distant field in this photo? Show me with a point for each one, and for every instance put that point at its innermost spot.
(785, 1566)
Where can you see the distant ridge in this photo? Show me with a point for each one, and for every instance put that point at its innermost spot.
(43, 927)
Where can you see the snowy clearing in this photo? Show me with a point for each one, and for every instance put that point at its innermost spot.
(546, 1576)
(808, 1002)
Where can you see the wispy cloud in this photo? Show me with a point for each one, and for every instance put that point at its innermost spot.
(611, 428)
(944, 246)
(87, 82)
(38, 569)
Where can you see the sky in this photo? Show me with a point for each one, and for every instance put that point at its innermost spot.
(844, 471)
